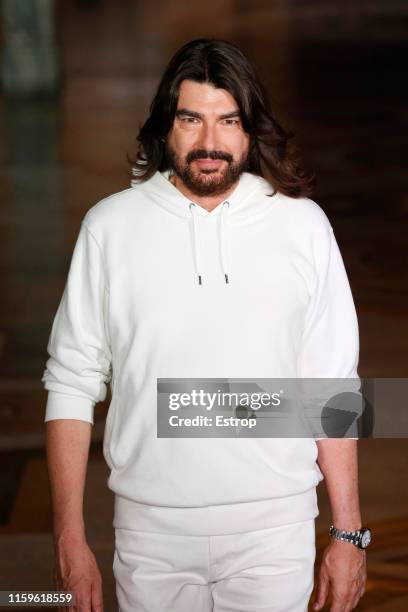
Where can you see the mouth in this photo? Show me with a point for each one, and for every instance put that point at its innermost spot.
(209, 164)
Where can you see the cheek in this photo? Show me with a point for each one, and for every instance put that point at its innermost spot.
(181, 142)
(240, 144)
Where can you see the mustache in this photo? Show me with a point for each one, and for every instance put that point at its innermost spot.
(203, 154)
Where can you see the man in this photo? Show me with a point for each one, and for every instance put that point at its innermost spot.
(214, 264)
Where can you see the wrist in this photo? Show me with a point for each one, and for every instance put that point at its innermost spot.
(347, 525)
(347, 522)
(69, 533)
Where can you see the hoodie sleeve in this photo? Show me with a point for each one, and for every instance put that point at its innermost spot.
(330, 342)
(79, 361)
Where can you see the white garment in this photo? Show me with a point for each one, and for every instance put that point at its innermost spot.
(274, 302)
(268, 570)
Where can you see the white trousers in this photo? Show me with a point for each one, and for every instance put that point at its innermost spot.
(268, 570)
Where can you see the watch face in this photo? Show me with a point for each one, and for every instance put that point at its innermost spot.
(365, 538)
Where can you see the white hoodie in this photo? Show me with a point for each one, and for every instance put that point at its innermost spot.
(273, 301)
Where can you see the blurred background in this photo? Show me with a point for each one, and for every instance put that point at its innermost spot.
(77, 77)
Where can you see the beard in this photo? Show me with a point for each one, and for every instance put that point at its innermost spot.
(207, 181)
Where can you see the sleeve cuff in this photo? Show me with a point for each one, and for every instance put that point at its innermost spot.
(61, 406)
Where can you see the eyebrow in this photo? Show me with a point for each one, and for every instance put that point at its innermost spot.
(182, 112)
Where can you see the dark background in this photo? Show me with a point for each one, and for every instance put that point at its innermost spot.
(336, 75)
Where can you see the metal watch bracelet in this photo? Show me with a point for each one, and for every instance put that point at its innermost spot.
(360, 538)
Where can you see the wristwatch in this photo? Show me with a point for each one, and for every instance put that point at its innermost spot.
(360, 538)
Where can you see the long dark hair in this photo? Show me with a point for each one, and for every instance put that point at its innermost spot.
(223, 65)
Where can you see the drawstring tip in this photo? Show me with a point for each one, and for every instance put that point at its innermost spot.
(226, 278)
(199, 279)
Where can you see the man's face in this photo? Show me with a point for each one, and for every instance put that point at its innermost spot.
(207, 147)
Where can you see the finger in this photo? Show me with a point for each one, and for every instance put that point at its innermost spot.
(337, 606)
(322, 592)
(342, 604)
(355, 601)
(357, 597)
(82, 601)
(97, 597)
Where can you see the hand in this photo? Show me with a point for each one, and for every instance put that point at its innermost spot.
(76, 570)
(343, 569)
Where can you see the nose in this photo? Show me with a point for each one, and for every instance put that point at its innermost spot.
(208, 137)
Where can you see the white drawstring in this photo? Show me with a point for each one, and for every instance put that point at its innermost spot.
(222, 239)
(223, 249)
(196, 242)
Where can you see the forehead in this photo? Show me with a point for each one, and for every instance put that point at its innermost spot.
(204, 97)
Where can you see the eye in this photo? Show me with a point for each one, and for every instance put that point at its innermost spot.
(232, 121)
(188, 119)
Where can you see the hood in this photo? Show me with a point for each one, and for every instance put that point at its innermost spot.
(244, 204)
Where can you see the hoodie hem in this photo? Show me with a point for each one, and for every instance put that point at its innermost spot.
(223, 519)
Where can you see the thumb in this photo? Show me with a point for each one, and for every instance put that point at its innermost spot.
(322, 592)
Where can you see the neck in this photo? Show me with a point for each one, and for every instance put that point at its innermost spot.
(207, 202)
